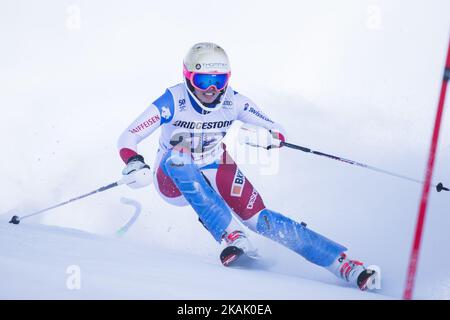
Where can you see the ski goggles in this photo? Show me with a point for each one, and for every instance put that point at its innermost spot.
(203, 81)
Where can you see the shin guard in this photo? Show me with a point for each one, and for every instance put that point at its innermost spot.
(309, 244)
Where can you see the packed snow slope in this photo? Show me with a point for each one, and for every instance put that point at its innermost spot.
(42, 261)
(359, 79)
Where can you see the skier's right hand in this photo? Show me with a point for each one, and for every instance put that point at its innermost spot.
(137, 173)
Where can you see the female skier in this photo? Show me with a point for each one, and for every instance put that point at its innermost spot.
(192, 166)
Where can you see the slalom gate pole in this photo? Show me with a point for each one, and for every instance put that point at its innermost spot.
(414, 257)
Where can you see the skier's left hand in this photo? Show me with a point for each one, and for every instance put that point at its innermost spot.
(257, 136)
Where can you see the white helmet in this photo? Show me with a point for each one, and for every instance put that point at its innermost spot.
(207, 58)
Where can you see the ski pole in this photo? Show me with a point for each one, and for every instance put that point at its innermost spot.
(16, 219)
(439, 187)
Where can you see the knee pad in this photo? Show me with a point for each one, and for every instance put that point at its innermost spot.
(209, 206)
(297, 237)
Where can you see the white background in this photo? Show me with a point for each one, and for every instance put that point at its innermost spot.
(359, 79)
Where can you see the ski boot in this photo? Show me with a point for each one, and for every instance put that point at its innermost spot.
(354, 272)
(239, 251)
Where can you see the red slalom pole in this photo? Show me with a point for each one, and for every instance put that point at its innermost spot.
(414, 257)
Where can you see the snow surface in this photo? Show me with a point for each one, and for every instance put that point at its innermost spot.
(37, 266)
(355, 78)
